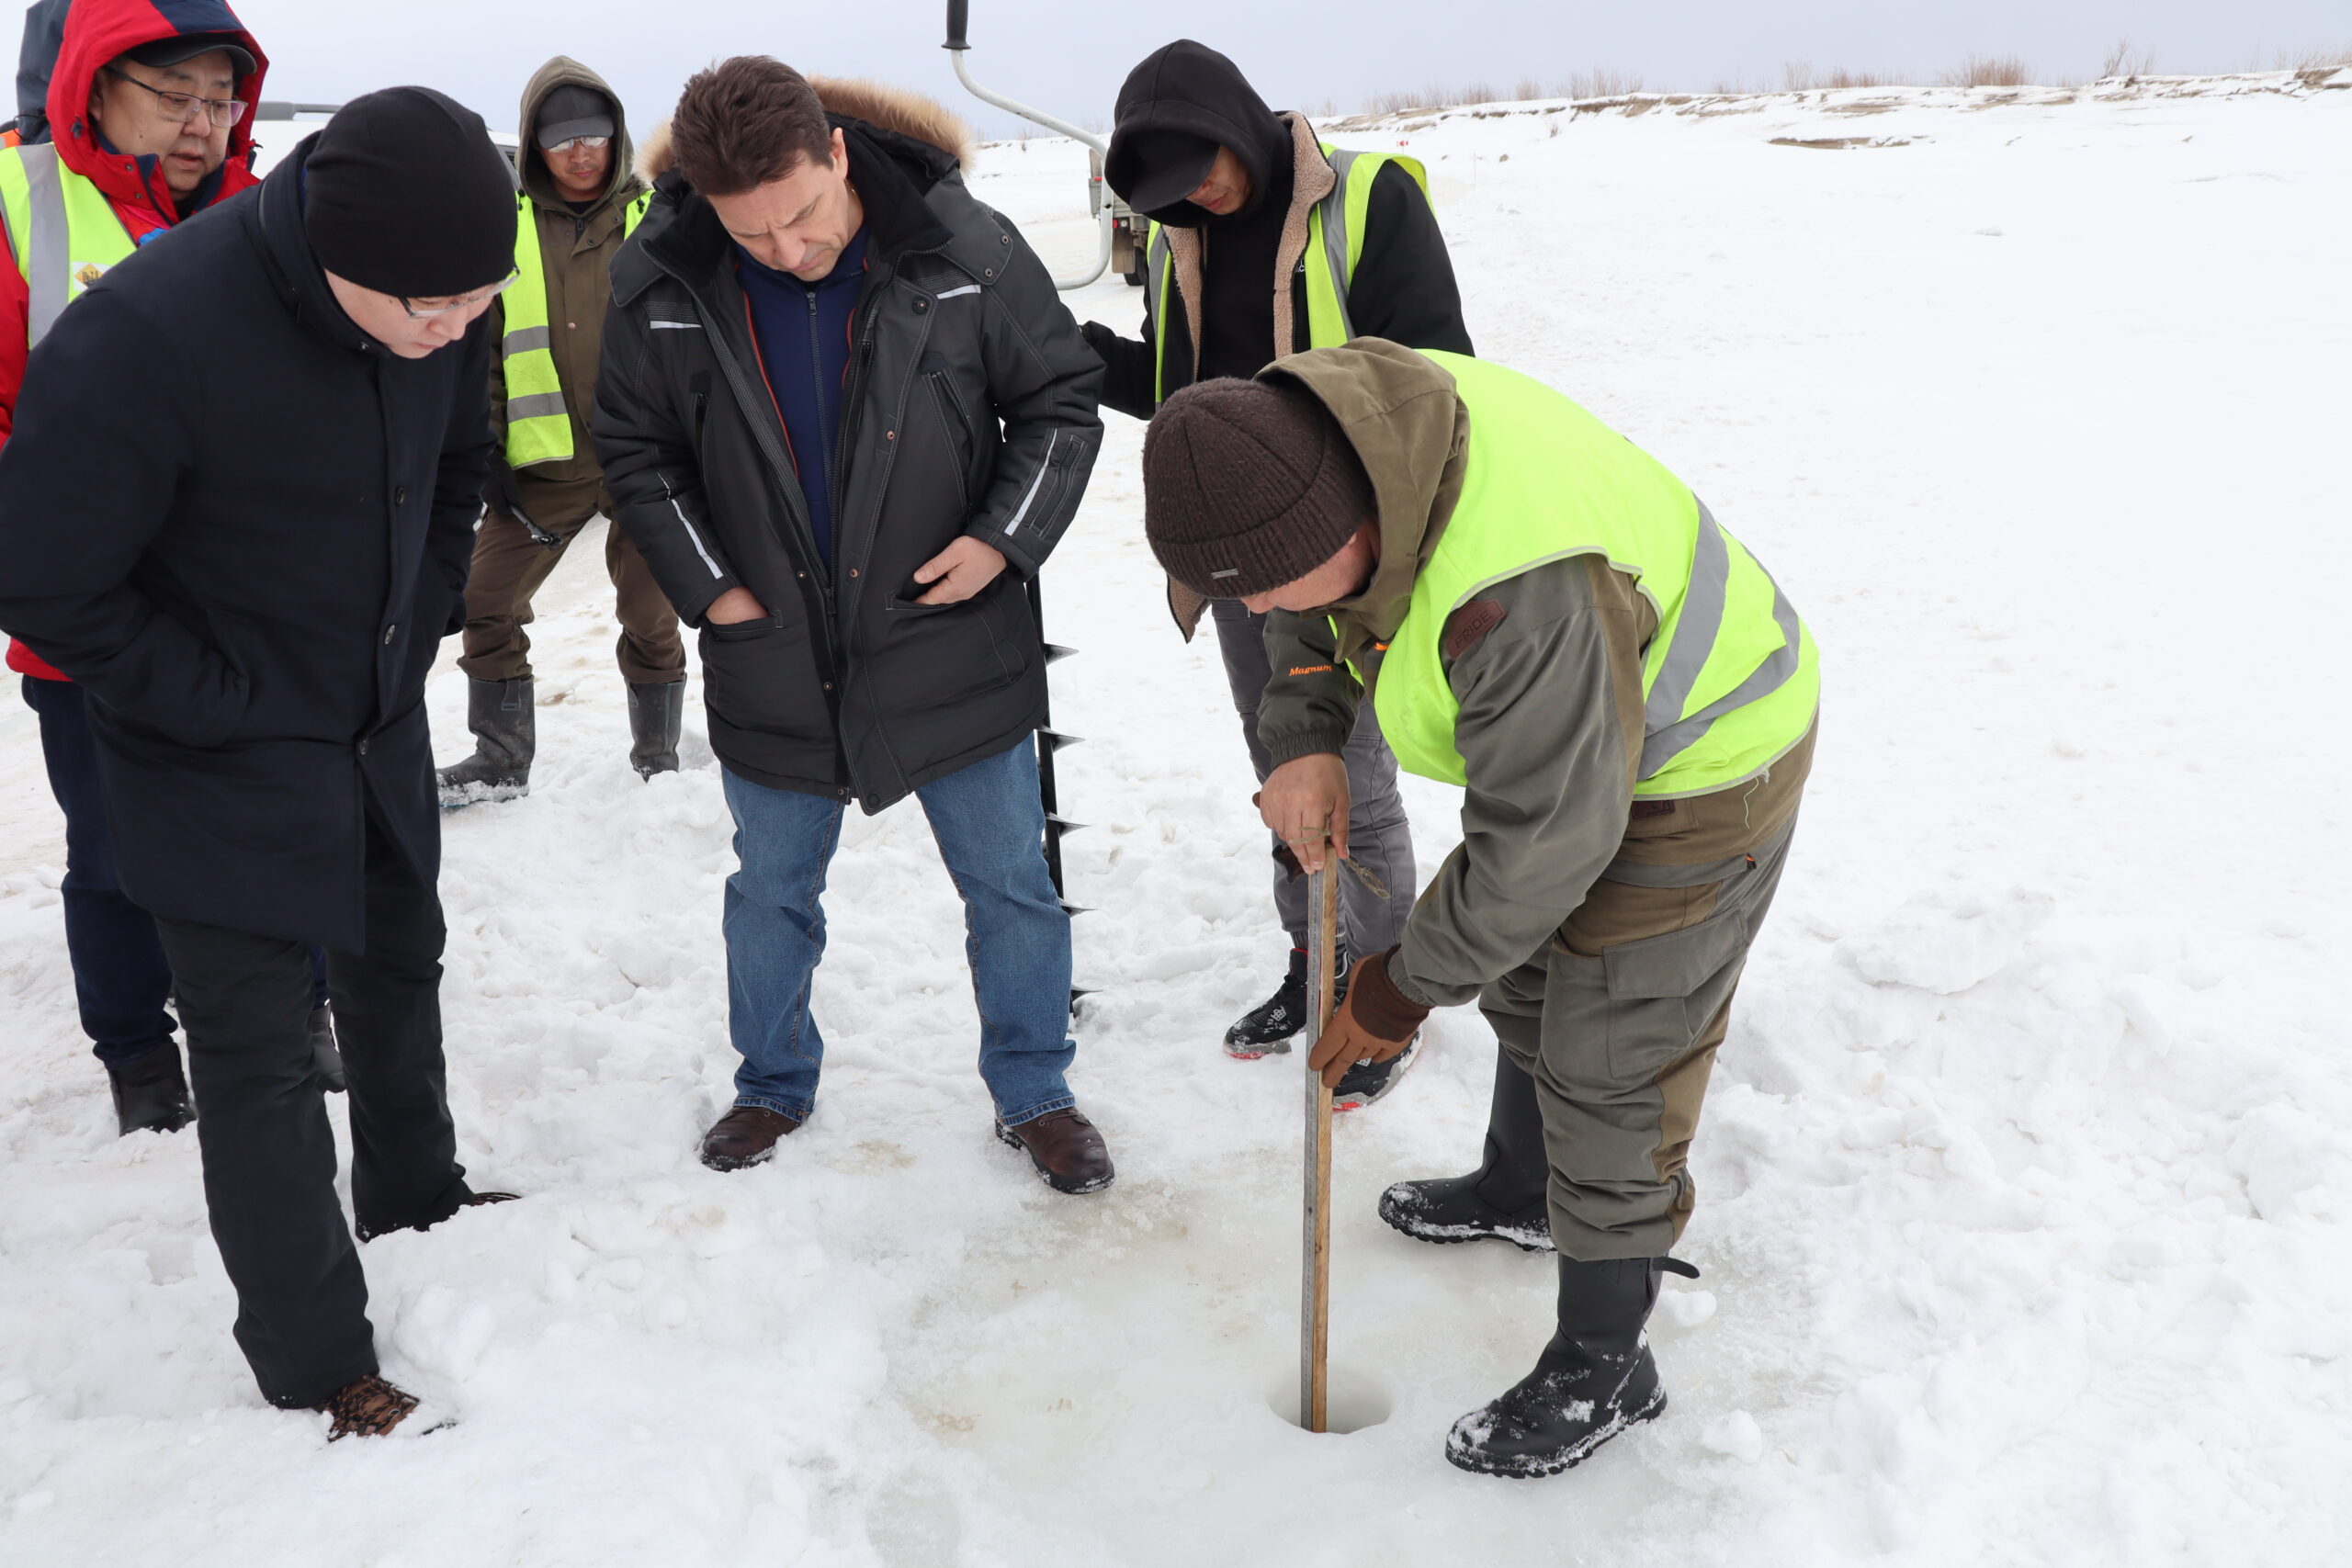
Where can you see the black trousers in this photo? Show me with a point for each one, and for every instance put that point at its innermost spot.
(270, 1160)
(120, 977)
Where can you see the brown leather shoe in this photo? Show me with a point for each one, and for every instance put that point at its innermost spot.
(1066, 1148)
(370, 1408)
(745, 1135)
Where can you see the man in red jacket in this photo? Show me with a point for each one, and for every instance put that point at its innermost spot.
(148, 121)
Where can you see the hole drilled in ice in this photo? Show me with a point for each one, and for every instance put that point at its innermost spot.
(1354, 1402)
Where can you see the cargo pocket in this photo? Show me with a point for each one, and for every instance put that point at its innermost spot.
(1663, 990)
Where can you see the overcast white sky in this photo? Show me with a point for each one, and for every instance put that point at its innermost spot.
(1070, 58)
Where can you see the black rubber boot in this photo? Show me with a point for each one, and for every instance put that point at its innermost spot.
(326, 1057)
(655, 714)
(500, 714)
(151, 1093)
(1595, 1379)
(1504, 1197)
(1268, 1027)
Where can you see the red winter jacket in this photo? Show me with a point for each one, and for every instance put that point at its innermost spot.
(97, 32)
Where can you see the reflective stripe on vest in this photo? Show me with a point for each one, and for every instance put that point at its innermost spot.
(1730, 681)
(538, 426)
(62, 229)
(1334, 238)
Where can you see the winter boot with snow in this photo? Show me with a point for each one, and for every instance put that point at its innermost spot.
(654, 715)
(151, 1092)
(370, 1408)
(1367, 1081)
(1067, 1149)
(1505, 1196)
(1595, 1379)
(746, 1136)
(1268, 1027)
(326, 1057)
(500, 714)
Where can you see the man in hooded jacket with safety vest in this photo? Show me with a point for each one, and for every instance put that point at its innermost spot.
(580, 199)
(145, 120)
(1545, 617)
(1265, 242)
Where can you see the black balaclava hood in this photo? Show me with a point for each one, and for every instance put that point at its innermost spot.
(1180, 97)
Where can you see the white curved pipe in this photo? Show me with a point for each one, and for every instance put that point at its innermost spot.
(1062, 127)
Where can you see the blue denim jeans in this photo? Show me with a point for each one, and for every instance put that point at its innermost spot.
(991, 828)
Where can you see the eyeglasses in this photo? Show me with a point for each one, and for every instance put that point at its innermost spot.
(569, 143)
(186, 107)
(463, 302)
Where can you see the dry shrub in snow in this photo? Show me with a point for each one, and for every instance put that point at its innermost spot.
(1989, 71)
(1799, 76)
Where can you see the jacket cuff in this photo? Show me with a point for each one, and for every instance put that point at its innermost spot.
(993, 535)
(1423, 993)
(1313, 740)
(1380, 1005)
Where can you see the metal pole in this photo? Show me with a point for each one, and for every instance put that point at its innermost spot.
(958, 18)
(1315, 1306)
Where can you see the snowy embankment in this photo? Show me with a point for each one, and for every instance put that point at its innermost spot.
(2024, 1174)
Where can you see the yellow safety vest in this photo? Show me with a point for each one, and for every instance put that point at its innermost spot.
(539, 427)
(1334, 237)
(63, 231)
(1730, 681)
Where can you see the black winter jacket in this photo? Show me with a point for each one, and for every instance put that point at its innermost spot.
(970, 409)
(1403, 290)
(243, 527)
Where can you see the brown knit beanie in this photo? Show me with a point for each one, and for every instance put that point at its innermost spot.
(1248, 485)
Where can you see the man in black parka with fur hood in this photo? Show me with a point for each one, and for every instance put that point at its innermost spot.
(843, 499)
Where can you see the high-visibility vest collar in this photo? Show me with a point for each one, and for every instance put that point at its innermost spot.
(1335, 228)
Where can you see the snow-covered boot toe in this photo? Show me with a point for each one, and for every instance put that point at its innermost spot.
(371, 1407)
(151, 1092)
(500, 714)
(1503, 1198)
(1595, 1379)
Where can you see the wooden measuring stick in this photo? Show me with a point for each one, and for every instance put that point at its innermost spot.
(1315, 1306)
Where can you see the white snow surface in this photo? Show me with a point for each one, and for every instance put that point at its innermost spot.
(2024, 1176)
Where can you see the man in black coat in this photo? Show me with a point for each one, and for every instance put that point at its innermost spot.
(1249, 209)
(270, 429)
(843, 415)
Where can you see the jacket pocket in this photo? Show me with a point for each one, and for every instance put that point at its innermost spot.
(760, 676)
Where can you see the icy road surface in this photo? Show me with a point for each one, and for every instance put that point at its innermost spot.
(2023, 1180)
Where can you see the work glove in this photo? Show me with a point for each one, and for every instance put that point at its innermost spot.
(1374, 1023)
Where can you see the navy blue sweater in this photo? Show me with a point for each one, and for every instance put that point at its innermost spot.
(803, 334)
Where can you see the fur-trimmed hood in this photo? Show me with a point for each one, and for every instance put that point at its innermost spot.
(876, 104)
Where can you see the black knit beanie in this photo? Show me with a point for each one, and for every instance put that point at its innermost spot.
(404, 193)
(1248, 485)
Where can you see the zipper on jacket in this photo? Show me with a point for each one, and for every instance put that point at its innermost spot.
(951, 410)
(768, 441)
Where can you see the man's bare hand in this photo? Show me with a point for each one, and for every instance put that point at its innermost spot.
(734, 608)
(960, 571)
(1306, 803)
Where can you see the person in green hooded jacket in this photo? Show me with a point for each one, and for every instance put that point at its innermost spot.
(1543, 615)
(579, 200)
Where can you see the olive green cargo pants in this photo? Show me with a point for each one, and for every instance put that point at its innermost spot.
(1618, 1020)
(509, 566)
